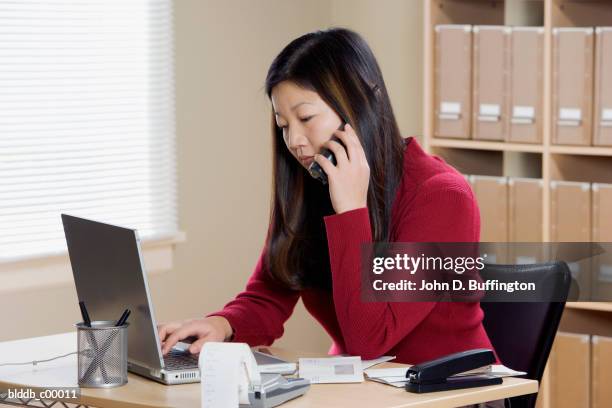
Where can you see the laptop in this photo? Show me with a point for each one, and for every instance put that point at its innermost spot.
(110, 277)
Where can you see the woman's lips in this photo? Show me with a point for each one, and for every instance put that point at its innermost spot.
(306, 160)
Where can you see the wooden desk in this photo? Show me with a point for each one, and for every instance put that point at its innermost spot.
(141, 392)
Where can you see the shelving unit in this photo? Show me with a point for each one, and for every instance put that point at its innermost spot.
(582, 150)
(555, 162)
(546, 161)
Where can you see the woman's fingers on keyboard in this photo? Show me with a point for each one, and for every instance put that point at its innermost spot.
(200, 330)
(182, 332)
(196, 346)
(166, 329)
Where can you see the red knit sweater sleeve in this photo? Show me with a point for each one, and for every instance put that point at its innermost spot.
(444, 209)
(257, 315)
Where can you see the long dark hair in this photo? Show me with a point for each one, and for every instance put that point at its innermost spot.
(337, 64)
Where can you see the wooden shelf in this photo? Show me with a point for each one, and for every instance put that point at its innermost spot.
(598, 306)
(585, 168)
(582, 150)
(600, 151)
(486, 145)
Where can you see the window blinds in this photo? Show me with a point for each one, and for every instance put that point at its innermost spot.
(86, 120)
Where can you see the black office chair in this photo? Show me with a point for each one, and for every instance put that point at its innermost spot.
(522, 333)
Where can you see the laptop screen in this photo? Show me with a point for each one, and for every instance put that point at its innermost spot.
(109, 277)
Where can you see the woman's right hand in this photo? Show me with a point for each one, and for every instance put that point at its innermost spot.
(213, 328)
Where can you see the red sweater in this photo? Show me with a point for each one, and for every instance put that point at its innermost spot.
(434, 203)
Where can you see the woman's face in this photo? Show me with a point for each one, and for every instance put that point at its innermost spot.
(306, 120)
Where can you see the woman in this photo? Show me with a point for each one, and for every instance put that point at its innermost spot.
(381, 189)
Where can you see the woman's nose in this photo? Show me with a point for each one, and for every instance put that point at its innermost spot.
(296, 139)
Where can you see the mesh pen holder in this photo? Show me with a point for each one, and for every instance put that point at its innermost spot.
(102, 354)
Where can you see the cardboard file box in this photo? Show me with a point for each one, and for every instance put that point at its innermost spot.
(572, 86)
(570, 211)
(492, 197)
(526, 84)
(570, 371)
(453, 72)
(525, 220)
(601, 372)
(525, 209)
(603, 87)
(490, 93)
(570, 221)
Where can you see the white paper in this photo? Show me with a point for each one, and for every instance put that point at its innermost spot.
(226, 371)
(365, 364)
(331, 370)
(392, 381)
(499, 370)
(387, 372)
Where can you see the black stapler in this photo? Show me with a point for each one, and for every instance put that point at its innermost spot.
(437, 375)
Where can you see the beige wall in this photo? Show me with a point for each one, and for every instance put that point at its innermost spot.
(393, 29)
(223, 50)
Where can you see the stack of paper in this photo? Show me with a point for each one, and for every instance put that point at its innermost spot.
(397, 376)
(365, 364)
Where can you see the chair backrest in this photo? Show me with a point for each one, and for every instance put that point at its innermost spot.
(522, 333)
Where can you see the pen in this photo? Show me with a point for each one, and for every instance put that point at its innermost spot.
(123, 318)
(84, 314)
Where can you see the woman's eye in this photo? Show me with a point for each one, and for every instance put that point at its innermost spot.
(304, 119)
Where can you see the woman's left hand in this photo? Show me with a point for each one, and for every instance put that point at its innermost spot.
(349, 178)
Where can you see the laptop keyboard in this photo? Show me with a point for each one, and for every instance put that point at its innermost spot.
(180, 360)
